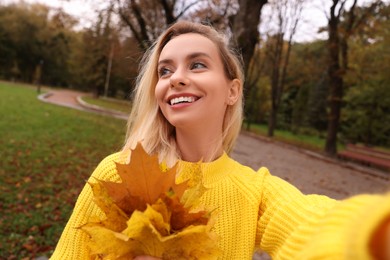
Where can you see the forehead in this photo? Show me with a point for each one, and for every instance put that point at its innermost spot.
(185, 44)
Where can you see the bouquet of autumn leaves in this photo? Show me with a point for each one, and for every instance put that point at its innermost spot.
(148, 214)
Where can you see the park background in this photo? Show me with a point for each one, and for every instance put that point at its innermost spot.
(321, 94)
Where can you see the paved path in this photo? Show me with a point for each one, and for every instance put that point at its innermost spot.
(308, 171)
(67, 98)
(72, 99)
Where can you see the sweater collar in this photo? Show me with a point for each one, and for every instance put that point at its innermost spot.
(212, 171)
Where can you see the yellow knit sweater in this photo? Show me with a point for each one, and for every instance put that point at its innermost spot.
(256, 210)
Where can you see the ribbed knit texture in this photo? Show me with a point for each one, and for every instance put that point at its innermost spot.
(255, 209)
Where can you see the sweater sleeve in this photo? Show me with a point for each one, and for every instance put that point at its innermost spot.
(297, 226)
(73, 241)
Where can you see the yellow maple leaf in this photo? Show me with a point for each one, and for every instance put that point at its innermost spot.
(143, 177)
(115, 217)
(145, 235)
(191, 196)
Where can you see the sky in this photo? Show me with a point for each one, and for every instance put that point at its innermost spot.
(82, 9)
(314, 15)
(78, 8)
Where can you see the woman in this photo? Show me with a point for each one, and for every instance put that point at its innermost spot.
(188, 107)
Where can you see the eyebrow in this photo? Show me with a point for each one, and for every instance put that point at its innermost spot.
(189, 57)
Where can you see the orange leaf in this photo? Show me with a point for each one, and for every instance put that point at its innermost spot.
(143, 182)
(181, 217)
(144, 178)
(122, 197)
(115, 217)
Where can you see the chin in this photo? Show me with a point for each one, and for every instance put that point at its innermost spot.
(184, 122)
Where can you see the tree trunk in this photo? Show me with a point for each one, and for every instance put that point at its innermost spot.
(275, 83)
(335, 102)
(279, 56)
(272, 122)
(335, 85)
(245, 28)
(338, 62)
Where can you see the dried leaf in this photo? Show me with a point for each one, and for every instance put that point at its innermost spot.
(142, 180)
(121, 196)
(143, 237)
(115, 217)
(196, 189)
(181, 217)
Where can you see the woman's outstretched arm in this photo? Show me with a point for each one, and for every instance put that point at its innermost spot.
(297, 226)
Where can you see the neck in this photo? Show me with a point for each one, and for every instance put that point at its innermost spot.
(198, 146)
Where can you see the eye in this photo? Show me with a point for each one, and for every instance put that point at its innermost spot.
(198, 65)
(163, 71)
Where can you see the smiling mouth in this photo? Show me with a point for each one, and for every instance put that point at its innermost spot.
(180, 100)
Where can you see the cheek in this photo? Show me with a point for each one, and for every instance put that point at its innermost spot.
(159, 93)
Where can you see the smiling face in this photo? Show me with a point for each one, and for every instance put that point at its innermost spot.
(193, 89)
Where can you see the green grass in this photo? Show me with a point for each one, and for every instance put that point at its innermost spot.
(305, 141)
(47, 154)
(114, 104)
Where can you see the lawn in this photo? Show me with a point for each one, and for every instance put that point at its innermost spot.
(304, 141)
(110, 103)
(47, 154)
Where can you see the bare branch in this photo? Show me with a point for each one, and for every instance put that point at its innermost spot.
(186, 9)
(297, 15)
(351, 18)
(168, 9)
(140, 20)
(125, 18)
(365, 15)
(341, 9)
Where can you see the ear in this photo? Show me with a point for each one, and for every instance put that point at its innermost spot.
(234, 92)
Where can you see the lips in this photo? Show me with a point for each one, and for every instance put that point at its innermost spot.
(180, 99)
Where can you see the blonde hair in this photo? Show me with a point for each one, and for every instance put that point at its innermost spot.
(146, 122)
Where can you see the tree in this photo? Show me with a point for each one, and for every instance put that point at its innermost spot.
(147, 19)
(99, 41)
(245, 28)
(307, 74)
(365, 117)
(244, 25)
(104, 59)
(287, 15)
(124, 68)
(21, 25)
(342, 24)
(34, 34)
(367, 114)
(56, 48)
(257, 91)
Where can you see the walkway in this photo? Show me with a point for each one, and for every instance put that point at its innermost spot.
(72, 99)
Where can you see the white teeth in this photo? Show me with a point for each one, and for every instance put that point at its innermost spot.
(177, 100)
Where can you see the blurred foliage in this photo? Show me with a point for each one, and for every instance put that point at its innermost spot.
(38, 44)
(34, 38)
(366, 116)
(303, 108)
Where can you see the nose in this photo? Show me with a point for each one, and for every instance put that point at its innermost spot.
(179, 78)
